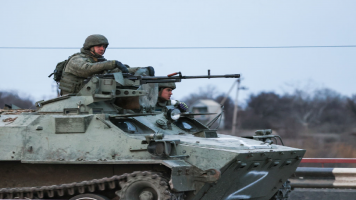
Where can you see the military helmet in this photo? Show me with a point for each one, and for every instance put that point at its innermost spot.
(94, 40)
(167, 85)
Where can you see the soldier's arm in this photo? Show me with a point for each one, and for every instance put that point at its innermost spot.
(82, 67)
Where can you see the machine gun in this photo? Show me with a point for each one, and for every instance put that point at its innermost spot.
(174, 77)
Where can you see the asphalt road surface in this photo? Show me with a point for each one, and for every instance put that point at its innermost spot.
(322, 194)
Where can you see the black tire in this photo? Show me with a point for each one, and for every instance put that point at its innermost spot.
(139, 183)
(283, 192)
(89, 197)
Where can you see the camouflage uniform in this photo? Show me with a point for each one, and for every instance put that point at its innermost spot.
(161, 106)
(85, 64)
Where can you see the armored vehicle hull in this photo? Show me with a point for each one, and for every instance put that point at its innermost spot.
(82, 145)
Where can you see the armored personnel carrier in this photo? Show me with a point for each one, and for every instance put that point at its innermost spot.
(109, 142)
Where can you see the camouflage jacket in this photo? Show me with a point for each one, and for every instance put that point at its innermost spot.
(81, 66)
(161, 106)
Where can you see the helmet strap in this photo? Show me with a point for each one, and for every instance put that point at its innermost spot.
(92, 50)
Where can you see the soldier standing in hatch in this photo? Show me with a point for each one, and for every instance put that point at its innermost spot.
(90, 61)
(164, 98)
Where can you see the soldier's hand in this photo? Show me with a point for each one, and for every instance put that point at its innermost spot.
(121, 66)
(151, 71)
(182, 107)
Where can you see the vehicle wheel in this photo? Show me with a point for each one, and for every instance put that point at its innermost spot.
(89, 197)
(144, 186)
(283, 192)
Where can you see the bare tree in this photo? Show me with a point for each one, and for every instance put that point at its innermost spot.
(307, 108)
(351, 105)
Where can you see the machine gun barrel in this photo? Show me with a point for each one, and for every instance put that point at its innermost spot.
(190, 77)
(175, 77)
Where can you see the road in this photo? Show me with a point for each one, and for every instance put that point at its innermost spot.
(322, 194)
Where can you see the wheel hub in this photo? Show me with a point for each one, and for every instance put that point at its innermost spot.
(146, 195)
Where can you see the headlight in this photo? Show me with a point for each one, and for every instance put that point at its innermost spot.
(173, 114)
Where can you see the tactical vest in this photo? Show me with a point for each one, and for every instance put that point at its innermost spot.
(71, 83)
(161, 106)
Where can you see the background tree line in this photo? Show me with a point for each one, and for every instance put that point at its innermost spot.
(11, 97)
(322, 111)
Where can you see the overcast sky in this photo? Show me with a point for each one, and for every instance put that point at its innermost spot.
(183, 23)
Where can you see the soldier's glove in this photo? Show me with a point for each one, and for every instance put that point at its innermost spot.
(151, 71)
(182, 107)
(122, 67)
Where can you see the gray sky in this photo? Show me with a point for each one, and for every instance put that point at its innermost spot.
(183, 23)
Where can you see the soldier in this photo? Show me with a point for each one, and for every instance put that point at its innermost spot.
(164, 98)
(90, 61)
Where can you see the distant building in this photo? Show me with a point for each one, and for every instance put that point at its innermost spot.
(207, 106)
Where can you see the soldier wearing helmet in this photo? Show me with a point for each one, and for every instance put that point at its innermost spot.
(164, 98)
(90, 61)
